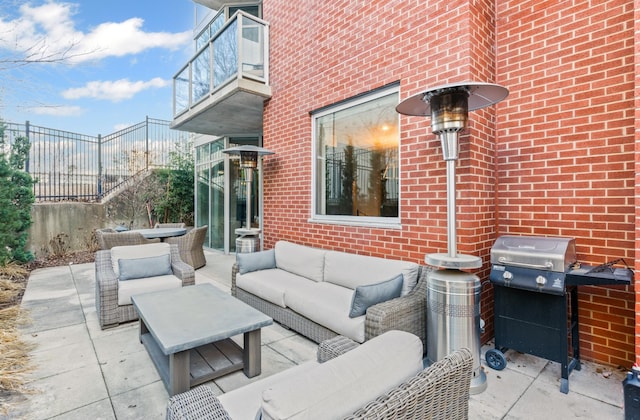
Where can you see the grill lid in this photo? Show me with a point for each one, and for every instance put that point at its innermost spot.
(537, 252)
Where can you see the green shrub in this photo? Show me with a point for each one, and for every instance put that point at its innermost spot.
(16, 199)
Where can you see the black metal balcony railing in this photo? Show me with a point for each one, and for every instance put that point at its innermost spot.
(239, 50)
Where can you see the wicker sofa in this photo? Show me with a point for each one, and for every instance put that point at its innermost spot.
(112, 291)
(313, 291)
(382, 379)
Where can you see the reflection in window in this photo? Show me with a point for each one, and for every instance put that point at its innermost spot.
(356, 155)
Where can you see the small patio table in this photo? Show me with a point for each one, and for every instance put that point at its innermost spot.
(161, 232)
(187, 332)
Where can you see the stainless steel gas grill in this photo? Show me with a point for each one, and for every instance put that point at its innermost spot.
(535, 283)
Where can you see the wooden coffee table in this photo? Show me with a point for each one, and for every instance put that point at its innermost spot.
(187, 333)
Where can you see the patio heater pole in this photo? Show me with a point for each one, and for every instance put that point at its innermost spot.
(453, 295)
(248, 237)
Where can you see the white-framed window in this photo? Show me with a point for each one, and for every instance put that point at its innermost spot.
(356, 177)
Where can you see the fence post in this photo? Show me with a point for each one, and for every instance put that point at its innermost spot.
(26, 134)
(146, 135)
(99, 167)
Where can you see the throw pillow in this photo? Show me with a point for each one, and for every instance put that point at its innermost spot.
(254, 261)
(137, 268)
(372, 294)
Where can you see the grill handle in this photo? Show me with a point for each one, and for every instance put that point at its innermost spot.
(546, 266)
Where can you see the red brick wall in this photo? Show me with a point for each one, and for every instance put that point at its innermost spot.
(555, 158)
(565, 146)
(637, 196)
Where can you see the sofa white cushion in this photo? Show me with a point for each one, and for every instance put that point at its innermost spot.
(244, 402)
(270, 285)
(128, 288)
(340, 386)
(328, 305)
(301, 260)
(130, 252)
(352, 270)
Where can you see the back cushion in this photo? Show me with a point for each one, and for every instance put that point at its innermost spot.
(301, 260)
(340, 386)
(351, 270)
(132, 252)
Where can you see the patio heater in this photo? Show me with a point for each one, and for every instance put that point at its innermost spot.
(453, 295)
(248, 238)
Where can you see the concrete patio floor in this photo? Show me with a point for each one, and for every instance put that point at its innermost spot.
(82, 372)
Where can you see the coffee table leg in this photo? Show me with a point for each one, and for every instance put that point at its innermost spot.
(143, 329)
(252, 356)
(179, 377)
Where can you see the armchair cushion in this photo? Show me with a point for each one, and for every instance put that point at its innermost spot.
(263, 260)
(126, 289)
(137, 268)
(335, 388)
(372, 294)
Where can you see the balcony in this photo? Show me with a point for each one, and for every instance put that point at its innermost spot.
(222, 89)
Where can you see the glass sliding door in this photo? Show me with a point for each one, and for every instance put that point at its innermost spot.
(221, 193)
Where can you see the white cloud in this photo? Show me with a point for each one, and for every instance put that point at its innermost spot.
(114, 91)
(48, 31)
(59, 111)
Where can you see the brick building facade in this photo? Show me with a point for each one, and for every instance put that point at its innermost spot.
(558, 157)
(316, 82)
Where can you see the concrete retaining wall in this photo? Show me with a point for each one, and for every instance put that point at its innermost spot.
(69, 226)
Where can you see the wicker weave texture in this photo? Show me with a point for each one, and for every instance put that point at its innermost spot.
(440, 392)
(109, 312)
(334, 347)
(196, 404)
(169, 225)
(406, 313)
(108, 238)
(190, 246)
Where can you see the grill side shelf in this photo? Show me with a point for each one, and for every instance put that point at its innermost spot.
(615, 276)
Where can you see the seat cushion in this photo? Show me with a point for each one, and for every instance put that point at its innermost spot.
(301, 260)
(328, 305)
(128, 288)
(340, 386)
(244, 402)
(271, 285)
(131, 252)
(351, 270)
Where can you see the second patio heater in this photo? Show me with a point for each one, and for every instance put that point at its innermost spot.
(453, 295)
(248, 237)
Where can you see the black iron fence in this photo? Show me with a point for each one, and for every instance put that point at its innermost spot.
(72, 166)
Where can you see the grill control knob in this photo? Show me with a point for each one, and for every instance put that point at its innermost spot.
(541, 281)
(507, 275)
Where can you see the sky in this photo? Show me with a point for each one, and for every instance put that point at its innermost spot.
(100, 65)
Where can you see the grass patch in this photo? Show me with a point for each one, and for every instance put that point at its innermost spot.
(14, 352)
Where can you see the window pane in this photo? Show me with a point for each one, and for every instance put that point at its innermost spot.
(357, 159)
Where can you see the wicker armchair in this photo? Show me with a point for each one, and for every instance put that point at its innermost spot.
(440, 391)
(108, 238)
(110, 313)
(169, 225)
(190, 246)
